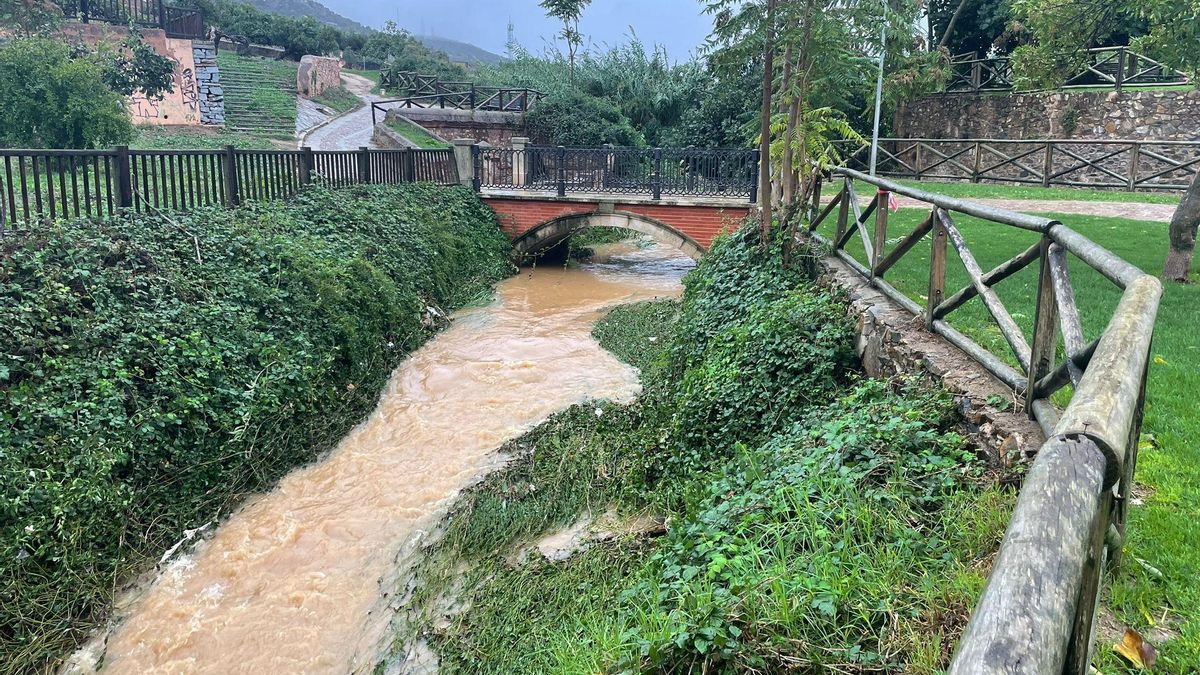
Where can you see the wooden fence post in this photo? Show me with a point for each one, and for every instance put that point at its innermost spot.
(843, 210)
(937, 268)
(364, 165)
(85, 10)
(978, 162)
(410, 166)
(1048, 164)
(233, 193)
(1135, 157)
(1045, 329)
(881, 218)
(124, 179)
(1120, 75)
(306, 165)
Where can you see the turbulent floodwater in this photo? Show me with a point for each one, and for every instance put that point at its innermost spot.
(291, 583)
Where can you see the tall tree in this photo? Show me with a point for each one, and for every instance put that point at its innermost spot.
(1183, 235)
(568, 12)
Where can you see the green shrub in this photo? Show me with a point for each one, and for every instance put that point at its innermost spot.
(153, 371)
(761, 344)
(573, 119)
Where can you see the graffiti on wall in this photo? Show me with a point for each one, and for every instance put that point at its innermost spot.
(182, 104)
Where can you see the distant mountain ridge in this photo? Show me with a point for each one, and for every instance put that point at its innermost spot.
(301, 8)
(462, 52)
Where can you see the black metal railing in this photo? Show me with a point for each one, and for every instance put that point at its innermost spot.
(177, 22)
(729, 173)
(1114, 67)
(39, 185)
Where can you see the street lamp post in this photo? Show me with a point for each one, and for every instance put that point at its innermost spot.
(879, 91)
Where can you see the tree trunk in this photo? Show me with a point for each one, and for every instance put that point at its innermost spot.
(764, 165)
(1183, 234)
(945, 41)
(785, 102)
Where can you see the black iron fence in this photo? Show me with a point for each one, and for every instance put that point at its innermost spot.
(1107, 67)
(1125, 165)
(36, 185)
(656, 172)
(178, 22)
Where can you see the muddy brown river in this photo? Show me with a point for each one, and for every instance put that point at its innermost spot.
(292, 582)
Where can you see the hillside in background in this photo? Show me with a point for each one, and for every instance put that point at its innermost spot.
(459, 52)
(300, 8)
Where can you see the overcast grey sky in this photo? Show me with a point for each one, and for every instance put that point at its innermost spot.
(678, 25)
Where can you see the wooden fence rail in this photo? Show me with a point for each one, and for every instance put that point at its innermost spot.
(1104, 67)
(1117, 164)
(1040, 601)
(37, 185)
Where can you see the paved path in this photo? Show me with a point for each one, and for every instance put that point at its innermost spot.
(352, 130)
(1130, 210)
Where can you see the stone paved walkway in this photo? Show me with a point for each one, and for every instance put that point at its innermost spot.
(1130, 210)
(352, 130)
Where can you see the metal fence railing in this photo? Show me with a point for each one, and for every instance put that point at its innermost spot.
(656, 172)
(1091, 163)
(37, 185)
(1039, 604)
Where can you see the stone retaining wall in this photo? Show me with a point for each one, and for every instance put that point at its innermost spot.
(317, 74)
(210, 94)
(1127, 115)
(891, 341)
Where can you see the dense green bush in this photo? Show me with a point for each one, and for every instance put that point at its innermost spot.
(578, 120)
(761, 347)
(155, 370)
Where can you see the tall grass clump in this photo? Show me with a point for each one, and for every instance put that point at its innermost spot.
(154, 369)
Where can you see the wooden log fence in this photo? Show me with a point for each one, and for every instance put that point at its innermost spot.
(1101, 67)
(1036, 614)
(40, 185)
(1117, 164)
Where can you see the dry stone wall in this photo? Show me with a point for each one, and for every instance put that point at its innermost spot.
(317, 74)
(211, 96)
(1171, 115)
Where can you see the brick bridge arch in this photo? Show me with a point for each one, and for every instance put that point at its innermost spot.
(538, 223)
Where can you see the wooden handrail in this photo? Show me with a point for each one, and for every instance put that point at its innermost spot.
(1039, 604)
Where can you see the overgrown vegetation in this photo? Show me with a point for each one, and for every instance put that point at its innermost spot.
(339, 99)
(155, 369)
(417, 135)
(59, 94)
(813, 519)
(195, 138)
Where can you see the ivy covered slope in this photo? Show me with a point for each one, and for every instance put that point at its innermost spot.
(814, 520)
(153, 370)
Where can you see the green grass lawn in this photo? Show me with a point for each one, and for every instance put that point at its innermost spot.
(372, 75)
(416, 134)
(339, 99)
(1001, 191)
(196, 138)
(1164, 530)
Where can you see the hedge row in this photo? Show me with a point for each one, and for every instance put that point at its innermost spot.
(155, 369)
